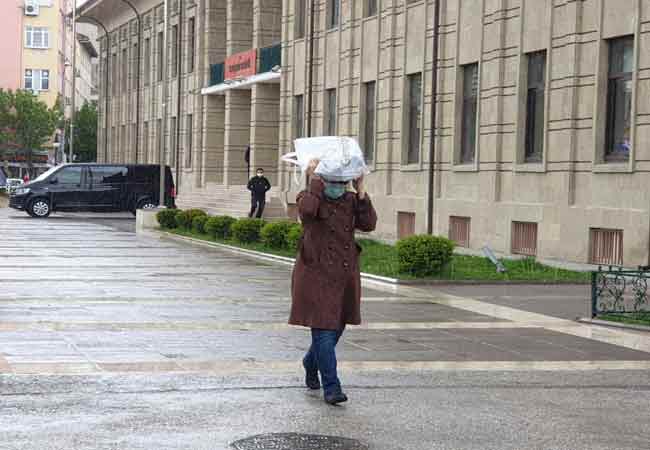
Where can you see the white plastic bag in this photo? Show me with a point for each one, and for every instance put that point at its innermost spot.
(341, 158)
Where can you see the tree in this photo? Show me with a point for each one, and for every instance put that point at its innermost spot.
(6, 118)
(85, 133)
(34, 122)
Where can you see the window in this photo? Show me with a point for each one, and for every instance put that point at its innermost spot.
(161, 43)
(524, 238)
(145, 143)
(333, 11)
(606, 246)
(370, 8)
(174, 49)
(469, 111)
(535, 107)
(134, 68)
(330, 119)
(37, 79)
(160, 141)
(191, 44)
(301, 12)
(414, 119)
(108, 174)
(172, 138)
(125, 70)
(123, 142)
(459, 230)
(147, 61)
(619, 99)
(37, 37)
(70, 176)
(369, 121)
(299, 116)
(405, 224)
(190, 135)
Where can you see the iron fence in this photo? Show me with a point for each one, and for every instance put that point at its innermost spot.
(617, 290)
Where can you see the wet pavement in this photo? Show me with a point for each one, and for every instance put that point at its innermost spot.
(112, 340)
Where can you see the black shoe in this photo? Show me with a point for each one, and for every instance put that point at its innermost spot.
(335, 399)
(312, 382)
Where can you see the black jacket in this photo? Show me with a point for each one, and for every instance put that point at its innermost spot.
(259, 186)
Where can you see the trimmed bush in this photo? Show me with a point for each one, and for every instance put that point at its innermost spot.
(247, 230)
(167, 218)
(220, 227)
(183, 220)
(198, 224)
(424, 255)
(293, 236)
(275, 234)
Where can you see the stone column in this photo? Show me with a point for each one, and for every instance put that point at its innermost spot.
(237, 135)
(265, 128)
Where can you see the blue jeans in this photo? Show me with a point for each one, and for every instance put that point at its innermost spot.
(321, 357)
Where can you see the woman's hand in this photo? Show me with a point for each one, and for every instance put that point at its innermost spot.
(313, 164)
(360, 187)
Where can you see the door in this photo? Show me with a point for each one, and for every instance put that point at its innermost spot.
(66, 188)
(107, 187)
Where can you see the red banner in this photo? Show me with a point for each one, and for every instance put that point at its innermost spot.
(241, 65)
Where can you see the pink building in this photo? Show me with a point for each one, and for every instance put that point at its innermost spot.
(11, 18)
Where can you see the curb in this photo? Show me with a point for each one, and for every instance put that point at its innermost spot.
(612, 324)
(367, 276)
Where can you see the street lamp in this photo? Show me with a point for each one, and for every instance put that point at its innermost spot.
(74, 76)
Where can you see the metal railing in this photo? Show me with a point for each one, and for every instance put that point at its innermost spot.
(617, 290)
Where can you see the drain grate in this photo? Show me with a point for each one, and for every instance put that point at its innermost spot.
(294, 441)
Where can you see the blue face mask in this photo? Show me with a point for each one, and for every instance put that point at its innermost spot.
(334, 191)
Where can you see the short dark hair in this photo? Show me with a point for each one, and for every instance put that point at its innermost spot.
(260, 169)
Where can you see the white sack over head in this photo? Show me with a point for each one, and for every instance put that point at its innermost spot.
(341, 158)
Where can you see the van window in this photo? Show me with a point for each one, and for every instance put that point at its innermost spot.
(144, 174)
(69, 175)
(108, 174)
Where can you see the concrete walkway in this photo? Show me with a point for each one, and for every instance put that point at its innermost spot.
(110, 340)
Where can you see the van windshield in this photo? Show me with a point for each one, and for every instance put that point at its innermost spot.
(44, 175)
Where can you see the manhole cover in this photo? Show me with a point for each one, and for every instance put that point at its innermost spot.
(293, 441)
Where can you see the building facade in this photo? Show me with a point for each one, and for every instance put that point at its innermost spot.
(541, 115)
(542, 133)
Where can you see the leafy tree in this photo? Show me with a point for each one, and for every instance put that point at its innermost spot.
(85, 133)
(33, 122)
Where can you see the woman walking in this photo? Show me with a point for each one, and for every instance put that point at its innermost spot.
(326, 283)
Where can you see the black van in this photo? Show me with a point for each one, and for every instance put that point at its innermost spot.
(94, 187)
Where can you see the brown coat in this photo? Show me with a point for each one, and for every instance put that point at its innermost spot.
(326, 283)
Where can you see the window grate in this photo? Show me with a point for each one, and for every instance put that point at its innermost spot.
(524, 238)
(459, 228)
(606, 246)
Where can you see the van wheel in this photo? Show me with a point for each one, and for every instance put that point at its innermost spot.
(145, 204)
(40, 208)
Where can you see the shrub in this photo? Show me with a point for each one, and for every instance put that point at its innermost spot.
(183, 220)
(220, 227)
(198, 224)
(424, 255)
(247, 230)
(167, 218)
(293, 236)
(275, 234)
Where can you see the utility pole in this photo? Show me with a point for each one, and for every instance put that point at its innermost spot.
(161, 199)
(74, 76)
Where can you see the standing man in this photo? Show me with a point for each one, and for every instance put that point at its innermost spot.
(247, 158)
(259, 186)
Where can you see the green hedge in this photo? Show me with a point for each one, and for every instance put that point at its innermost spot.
(293, 236)
(275, 234)
(198, 224)
(167, 218)
(247, 231)
(220, 227)
(424, 255)
(185, 219)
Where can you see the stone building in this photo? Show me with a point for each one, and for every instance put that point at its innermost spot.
(542, 143)
(542, 121)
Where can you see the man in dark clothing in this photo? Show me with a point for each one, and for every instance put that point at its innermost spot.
(258, 186)
(247, 158)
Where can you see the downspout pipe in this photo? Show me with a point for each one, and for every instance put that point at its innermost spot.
(137, 80)
(311, 67)
(106, 72)
(434, 113)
